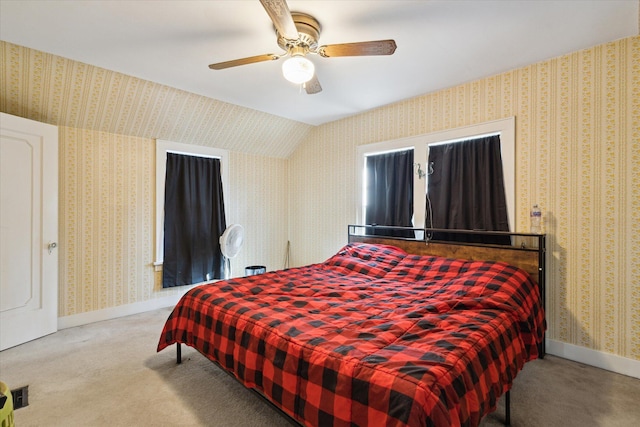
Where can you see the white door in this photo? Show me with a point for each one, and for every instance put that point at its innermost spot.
(28, 230)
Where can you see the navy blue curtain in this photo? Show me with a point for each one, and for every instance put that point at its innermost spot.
(194, 220)
(390, 191)
(465, 190)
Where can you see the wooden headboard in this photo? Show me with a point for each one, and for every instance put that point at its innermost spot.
(527, 251)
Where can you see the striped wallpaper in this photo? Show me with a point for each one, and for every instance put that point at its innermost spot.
(108, 123)
(51, 89)
(577, 156)
(107, 211)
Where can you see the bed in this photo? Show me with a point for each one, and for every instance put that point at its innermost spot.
(388, 331)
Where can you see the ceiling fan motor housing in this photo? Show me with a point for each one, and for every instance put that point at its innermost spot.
(308, 31)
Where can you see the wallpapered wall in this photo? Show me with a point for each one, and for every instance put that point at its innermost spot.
(577, 155)
(107, 218)
(107, 170)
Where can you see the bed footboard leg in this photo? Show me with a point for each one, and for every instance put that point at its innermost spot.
(507, 408)
(179, 354)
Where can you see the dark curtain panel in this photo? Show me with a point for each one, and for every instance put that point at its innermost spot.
(390, 191)
(466, 190)
(194, 220)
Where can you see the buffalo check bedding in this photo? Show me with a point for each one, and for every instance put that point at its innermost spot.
(371, 337)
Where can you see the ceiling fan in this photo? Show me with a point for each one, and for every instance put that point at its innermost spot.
(298, 34)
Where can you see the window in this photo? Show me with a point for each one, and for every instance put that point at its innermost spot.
(465, 189)
(162, 148)
(194, 220)
(389, 189)
(420, 144)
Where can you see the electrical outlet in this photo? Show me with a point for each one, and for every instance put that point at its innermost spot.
(20, 397)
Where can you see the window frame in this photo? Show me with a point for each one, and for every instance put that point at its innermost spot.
(420, 144)
(364, 183)
(162, 148)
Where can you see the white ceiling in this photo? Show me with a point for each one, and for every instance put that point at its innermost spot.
(440, 44)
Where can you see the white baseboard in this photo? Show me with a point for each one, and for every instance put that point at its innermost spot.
(115, 312)
(599, 359)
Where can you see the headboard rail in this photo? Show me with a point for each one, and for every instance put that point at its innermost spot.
(526, 251)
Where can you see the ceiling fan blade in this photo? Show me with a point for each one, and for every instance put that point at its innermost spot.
(281, 16)
(313, 85)
(244, 61)
(378, 47)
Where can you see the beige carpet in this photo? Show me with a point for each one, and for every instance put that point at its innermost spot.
(109, 374)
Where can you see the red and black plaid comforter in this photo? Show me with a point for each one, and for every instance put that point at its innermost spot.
(371, 337)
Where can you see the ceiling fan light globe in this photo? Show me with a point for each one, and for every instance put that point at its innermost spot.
(298, 69)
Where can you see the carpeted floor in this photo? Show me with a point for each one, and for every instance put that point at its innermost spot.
(109, 374)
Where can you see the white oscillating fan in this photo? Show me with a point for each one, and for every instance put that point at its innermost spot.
(230, 244)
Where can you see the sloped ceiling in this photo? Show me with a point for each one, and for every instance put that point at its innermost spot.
(51, 89)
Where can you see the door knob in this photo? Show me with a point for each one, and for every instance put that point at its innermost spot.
(51, 246)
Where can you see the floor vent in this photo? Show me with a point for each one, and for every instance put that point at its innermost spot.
(20, 397)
